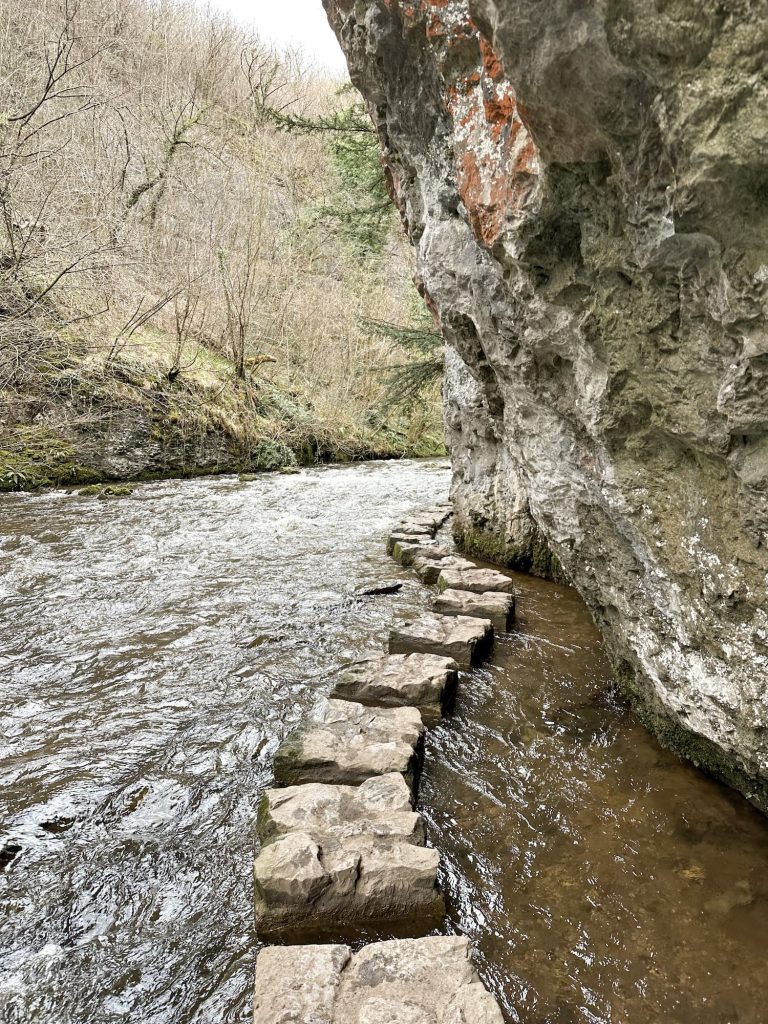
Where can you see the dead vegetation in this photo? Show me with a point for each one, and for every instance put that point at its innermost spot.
(166, 247)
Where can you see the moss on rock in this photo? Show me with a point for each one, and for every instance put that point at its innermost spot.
(707, 756)
(534, 557)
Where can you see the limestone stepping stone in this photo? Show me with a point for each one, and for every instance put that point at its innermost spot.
(465, 639)
(499, 608)
(416, 528)
(339, 856)
(346, 743)
(406, 552)
(428, 569)
(382, 806)
(403, 981)
(425, 681)
(478, 581)
(409, 538)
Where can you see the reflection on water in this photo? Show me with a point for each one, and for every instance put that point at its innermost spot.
(604, 881)
(154, 652)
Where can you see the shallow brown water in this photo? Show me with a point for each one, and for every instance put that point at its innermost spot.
(603, 880)
(154, 652)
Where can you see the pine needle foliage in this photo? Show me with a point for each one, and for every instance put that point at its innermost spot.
(408, 382)
(361, 209)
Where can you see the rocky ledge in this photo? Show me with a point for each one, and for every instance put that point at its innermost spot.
(584, 184)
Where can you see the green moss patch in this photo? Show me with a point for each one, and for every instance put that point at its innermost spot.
(534, 558)
(38, 457)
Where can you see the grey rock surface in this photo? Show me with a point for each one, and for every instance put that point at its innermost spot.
(428, 569)
(381, 806)
(499, 608)
(406, 552)
(347, 743)
(478, 581)
(416, 529)
(335, 856)
(424, 681)
(584, 185)
(397, 536)
(467, 640)
(407, 981)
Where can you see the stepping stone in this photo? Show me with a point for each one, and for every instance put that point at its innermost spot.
(347, 743)
(416, 528)
(403, 981)
(428, 569)
(406, 552)
(467, 640)
(344, 856)
(499, 608)
(380, 806)
(408, 538)
(478, 581)
(425, 681)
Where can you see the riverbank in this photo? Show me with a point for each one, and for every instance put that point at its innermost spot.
(81, 421)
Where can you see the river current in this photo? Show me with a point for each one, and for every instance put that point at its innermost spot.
(156, 649)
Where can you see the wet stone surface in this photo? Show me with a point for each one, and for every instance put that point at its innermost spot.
(499, 608)
(428, 569)
(347, 743)
(425, 681)
(465, 639)
(478, 581)
(334, 856)
(419, 981)
(406, 553)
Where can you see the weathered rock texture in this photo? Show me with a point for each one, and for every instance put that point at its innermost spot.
(346, 743)
(585, 184)
(424, 681)
(498, 608)
(464, 639)
(477, 581)
(339, 856)
(410, 981)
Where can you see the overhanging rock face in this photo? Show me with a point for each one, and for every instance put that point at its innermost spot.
(586, 189)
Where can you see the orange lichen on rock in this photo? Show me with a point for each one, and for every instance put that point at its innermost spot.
(496, 158)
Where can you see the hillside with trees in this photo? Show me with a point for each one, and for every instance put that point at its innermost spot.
(200, 268)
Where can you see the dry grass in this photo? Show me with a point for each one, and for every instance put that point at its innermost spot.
(155, 222)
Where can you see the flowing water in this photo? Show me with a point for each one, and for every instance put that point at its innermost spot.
(154, 652)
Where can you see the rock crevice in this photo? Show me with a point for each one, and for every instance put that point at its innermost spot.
(587, 196)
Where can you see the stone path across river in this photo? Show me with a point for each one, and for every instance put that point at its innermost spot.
(342, 846)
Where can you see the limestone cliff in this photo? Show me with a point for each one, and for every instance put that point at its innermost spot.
(585, 185)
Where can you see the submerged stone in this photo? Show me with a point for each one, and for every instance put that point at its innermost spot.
(499, 608)
(341, 856)
(403, 981)
(478, 581)
(425, 681)
(467, 640)
(347, 743)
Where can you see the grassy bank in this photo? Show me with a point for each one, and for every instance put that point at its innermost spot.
(83, 422)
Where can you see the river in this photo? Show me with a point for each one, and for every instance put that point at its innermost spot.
(154, 652)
